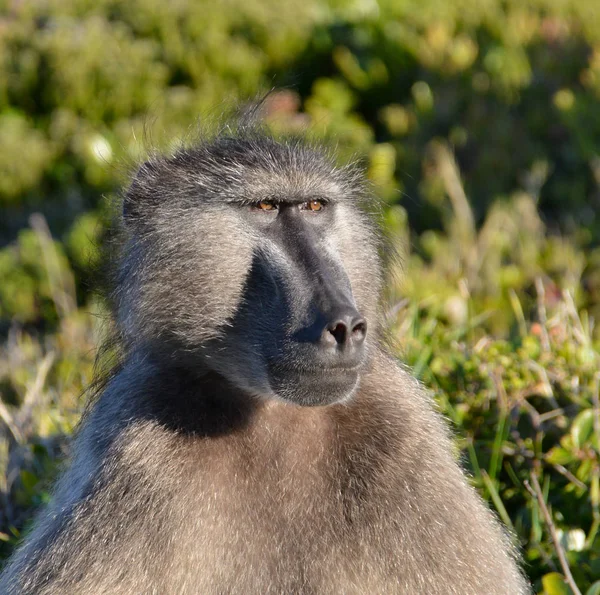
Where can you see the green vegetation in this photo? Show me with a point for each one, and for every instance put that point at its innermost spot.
(479, 122)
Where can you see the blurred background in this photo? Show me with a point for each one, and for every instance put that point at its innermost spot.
(478, 122)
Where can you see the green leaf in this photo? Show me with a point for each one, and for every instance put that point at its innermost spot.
(559, 456)
(582, 427)
(554, 584)
(594, 589)
(29, 480)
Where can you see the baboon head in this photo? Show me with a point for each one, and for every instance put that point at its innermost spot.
(251, 257)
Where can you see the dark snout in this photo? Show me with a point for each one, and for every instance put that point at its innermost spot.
(329, 331)
(336, 338)
(322, 361)
(345, 333)
(325, 351)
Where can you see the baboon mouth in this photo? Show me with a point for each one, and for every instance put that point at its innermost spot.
(317, 386)
(317, 372)
(315, 367)
(330, 370)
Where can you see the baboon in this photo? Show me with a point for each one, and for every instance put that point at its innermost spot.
(257, 437)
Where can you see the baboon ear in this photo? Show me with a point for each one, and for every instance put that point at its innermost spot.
(140, 195)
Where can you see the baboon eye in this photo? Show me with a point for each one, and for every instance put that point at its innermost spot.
(313, 205)
(266, 205)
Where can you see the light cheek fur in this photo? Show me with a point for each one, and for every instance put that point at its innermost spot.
(357, 247)
(174, 298)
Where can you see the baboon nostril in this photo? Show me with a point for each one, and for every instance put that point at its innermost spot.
(339, 331)
(345, 331)
(359, 330)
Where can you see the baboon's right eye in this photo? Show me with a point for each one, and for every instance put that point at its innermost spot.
(265, 205)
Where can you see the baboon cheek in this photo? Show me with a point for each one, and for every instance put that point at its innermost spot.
(199, 287)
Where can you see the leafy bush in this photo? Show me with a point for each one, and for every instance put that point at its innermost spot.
(488, 320)
(513, 86)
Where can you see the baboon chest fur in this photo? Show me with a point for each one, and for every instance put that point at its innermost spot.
(256, 436)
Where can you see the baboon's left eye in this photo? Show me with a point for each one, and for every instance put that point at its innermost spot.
(313, 205)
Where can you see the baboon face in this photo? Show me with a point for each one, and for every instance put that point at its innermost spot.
(251, 258)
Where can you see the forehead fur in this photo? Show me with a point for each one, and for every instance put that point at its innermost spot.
(245, 169)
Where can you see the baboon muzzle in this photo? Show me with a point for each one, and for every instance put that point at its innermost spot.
(323, 349)
(331, 323)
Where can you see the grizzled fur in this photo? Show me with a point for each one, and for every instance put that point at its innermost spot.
(194, 472)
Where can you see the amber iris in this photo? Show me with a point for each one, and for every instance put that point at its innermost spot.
(313, 205)
(266, 205)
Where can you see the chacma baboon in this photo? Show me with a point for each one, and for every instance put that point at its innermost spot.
(257, 438)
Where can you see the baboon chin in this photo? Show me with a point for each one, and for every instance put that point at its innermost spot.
(257, 437)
